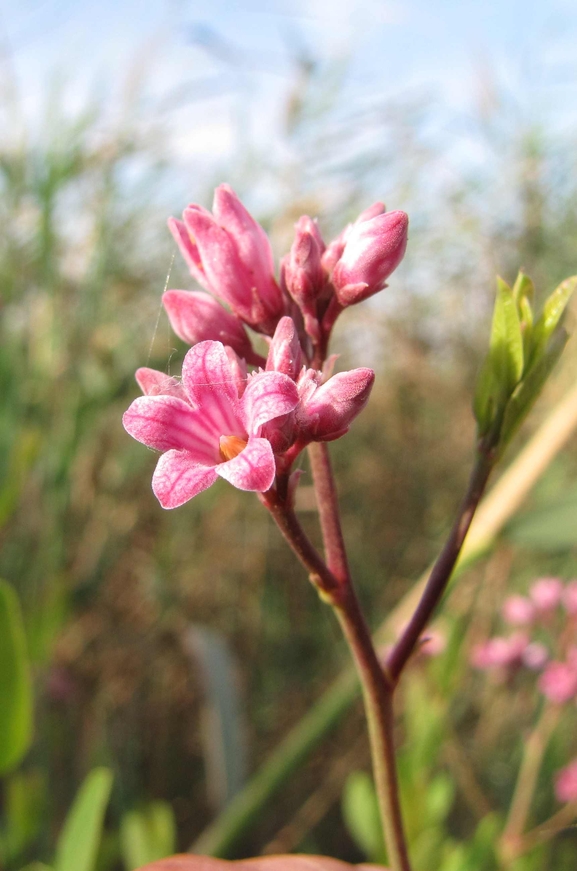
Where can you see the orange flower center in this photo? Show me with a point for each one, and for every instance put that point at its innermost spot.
(230, 447)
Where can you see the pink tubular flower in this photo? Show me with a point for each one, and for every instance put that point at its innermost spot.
(209, 430)
(195, 317)
(373, 248)
(566, 783)
(559, 682)
(230, 255)
(546, 594)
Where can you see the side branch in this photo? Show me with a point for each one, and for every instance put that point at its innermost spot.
(442, 570)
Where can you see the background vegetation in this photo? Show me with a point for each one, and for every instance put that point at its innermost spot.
(143, 625)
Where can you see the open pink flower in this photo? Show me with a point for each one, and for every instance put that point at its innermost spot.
(230, 255)
(209, 430)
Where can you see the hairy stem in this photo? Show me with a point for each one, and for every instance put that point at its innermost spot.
(442, 570)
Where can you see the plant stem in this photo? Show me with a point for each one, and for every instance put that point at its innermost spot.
(442, 569)
(534, 748)
(334, 582)
(378, 700)
(327, 502)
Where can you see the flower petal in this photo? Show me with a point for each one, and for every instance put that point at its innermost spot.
(155, 383)
(189, 250)
(267, 395)
(195, 316)
(166, 422)
(178, 478)
(210, 382)
(253, 469)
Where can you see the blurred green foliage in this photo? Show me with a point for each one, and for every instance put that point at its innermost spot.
(109, 584)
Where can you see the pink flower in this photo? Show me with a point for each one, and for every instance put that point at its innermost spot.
(195, 317)
(229, 254)
(566, 783)
(373, 248)
(518, 610)
(500, 652)
(210, 430)
(559, 682)
(546, 593)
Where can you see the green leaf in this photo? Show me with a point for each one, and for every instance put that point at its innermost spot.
(16, 709)
(523, 289)
(527, 392)
(440, 797)
(551, 315)
(506, 345)
(147, 835)
(360, 811)
(503, 366)
(80, 837)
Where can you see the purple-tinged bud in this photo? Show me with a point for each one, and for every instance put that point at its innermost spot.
(326, 413)
(155, 383)
(302, 270)
(196, 317)
(373, 250)
(285, 354)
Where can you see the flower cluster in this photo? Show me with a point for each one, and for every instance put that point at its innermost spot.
(248, 426)
(543, 639)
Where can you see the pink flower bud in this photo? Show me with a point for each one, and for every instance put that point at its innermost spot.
(285, 354)
(559, 682)
(518, 610)
(566, 783)
(373, 249)
(302, 270)
(546, 593)
(196, 317)
(327, 411)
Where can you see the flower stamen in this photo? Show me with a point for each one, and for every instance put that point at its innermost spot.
(230, 446)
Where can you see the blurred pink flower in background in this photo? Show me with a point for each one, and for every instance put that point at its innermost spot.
(566, 783)
(546, 594)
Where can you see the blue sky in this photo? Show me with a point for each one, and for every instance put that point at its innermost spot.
(230, 52)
